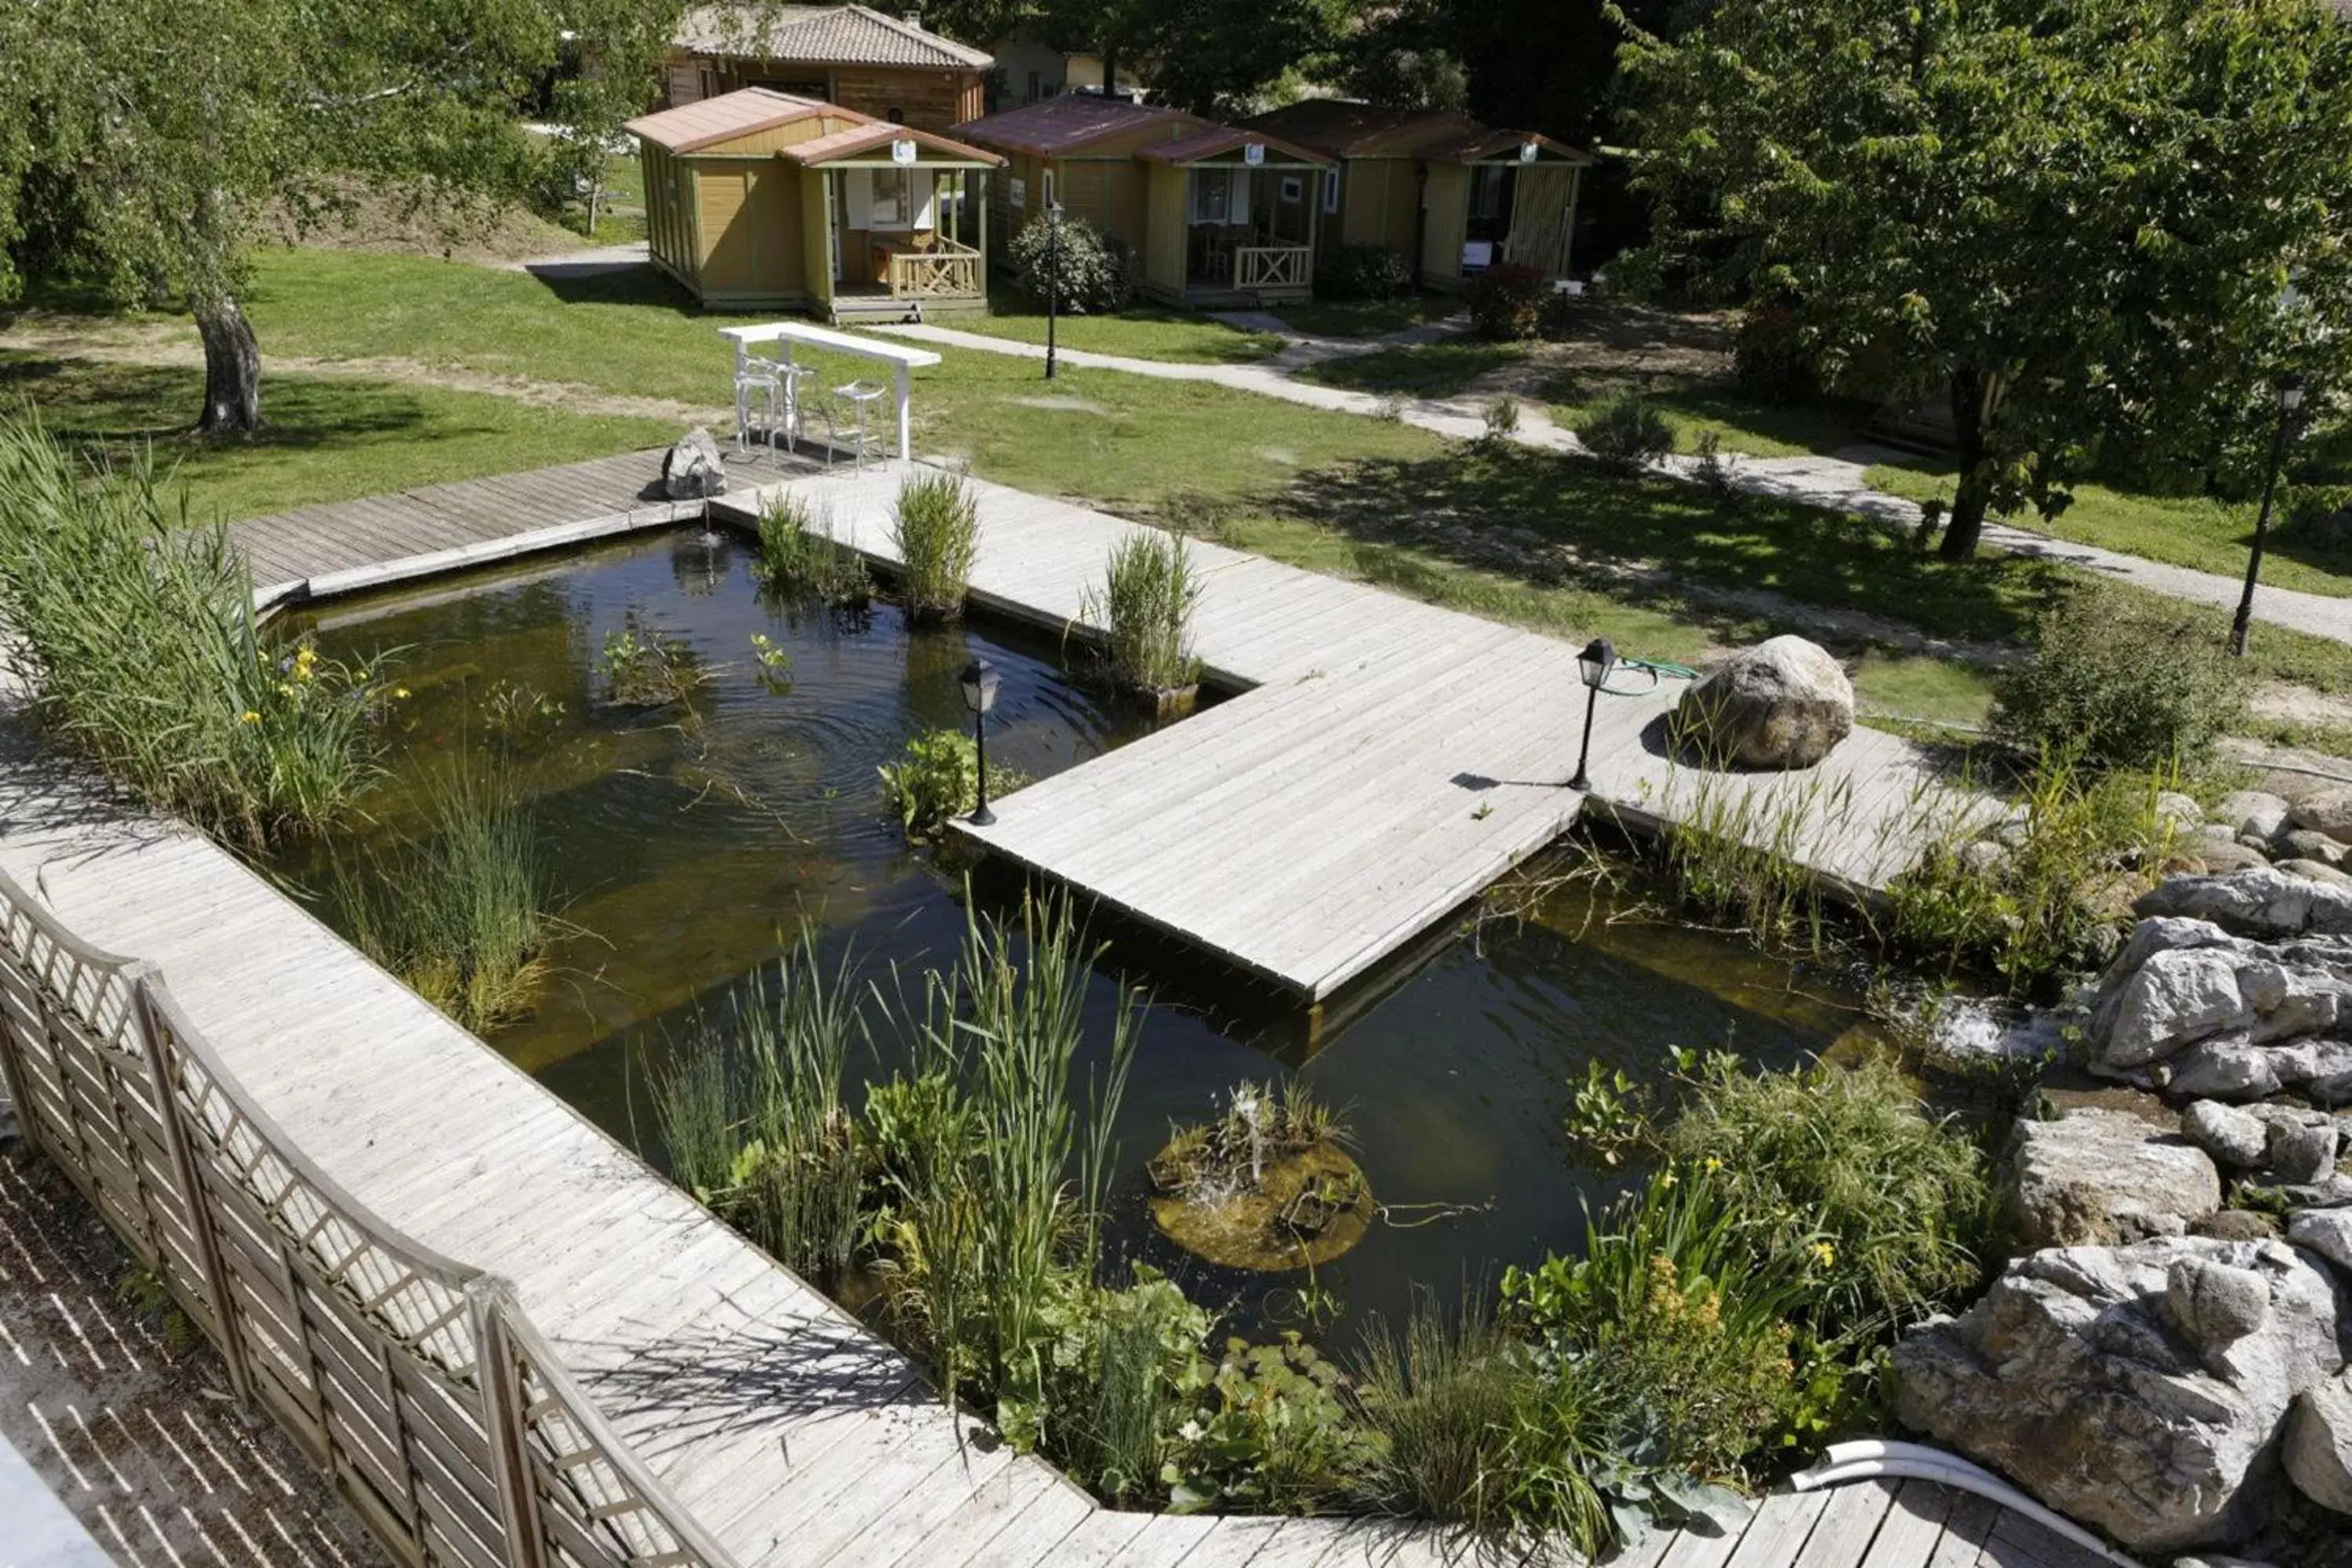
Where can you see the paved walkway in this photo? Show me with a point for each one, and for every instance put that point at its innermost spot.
(1825, 481)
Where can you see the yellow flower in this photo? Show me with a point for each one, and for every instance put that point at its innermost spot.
(249, 717)
(1665, 1178)
(401, 693)
(284, 689)
(1824, 1254)
(1713, 1164)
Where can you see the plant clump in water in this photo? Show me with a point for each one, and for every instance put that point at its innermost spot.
(799, 557)
(645, 668)
(936, 527)
(938, 779)
(1269, 1185)
(1149, 590)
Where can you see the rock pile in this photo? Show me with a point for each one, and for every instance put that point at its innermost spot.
(2311, 837)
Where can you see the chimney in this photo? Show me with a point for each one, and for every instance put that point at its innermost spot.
(912, 18)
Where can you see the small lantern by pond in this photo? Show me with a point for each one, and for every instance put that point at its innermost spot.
(1593, 666)
(980, 682)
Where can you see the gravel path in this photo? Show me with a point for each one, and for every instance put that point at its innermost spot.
(1833, 482)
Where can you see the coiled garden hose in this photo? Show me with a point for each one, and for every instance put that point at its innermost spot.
(1657, 669)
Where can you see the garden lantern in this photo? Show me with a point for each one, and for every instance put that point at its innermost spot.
(2289, 390)
(980, 682)
(1593, 666)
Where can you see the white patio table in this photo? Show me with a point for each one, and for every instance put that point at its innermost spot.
(902, 358)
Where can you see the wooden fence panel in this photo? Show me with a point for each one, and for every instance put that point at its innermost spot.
(415, 1381)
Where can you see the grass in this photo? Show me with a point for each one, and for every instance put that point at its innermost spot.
(935, 528)
(1367, 318)
(328, 439)
(1149, 589)
(1140, 332)
(1742, 424)
(1429, 370)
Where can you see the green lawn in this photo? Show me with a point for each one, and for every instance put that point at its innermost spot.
(1429, 370)
(1140, 332)
(1366, 318)
(1740, 423)
(328, 439)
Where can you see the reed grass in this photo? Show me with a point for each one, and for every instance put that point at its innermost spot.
(800, 1172)
(797, 557)
(1735, 846)
(935, 527)
(460, 913)
(1150, 591)
(134, 633)
(699, 1107)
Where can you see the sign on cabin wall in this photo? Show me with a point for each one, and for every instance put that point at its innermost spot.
(1254, 153)
(1526, 152)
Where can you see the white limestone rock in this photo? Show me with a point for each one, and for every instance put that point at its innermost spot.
(2098, 1177)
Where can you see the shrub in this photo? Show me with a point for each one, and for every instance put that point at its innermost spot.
(2121, 681)
(1094, 272)
(935, 527)
(1624, 434)
(459, 914)
(796, 557)
(2049, 891)
(1146, 607)
(134, 633)
(1270, 1433)
(1893, 1205)
(2318, 516)
(1499, 422)
(1713, 471)
(1770, 358)
(939, 778)
(1506, 302)
(1364, 270)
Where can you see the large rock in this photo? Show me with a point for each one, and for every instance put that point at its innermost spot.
(1784, 703)
(2253, 811)
(2261, 902)
(2234, 1140)
(2099, 1177)
(2326, 1232)
(2176, 998)
(693, 469)
(2318, 1447)
(2223, 855)
(2122, 1401)
(2328, 811)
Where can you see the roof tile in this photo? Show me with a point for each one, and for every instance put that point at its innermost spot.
(822, 34)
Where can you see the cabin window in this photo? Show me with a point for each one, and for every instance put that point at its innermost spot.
(1019, 190)
(1035, 87)
(892, 198)
(1486, 191)
(1292, 190)
(1331, 191)
(1213, 195)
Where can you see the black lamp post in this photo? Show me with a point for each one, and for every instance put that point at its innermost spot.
(1593, 665)
(2290, 398)
(1053, 279)
(980, 681)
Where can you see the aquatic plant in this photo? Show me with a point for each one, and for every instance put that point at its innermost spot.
(935, 528)
(460, 913)
(133, 630)
(642, 667)
(1269, 1434)
(1145, 605)
(1734, 849)
(798, 557)
(697, 1104)
(937, 778)
(795, 1179)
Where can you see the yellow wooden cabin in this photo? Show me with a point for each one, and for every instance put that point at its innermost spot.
(1214, 215)
(760, 200)
(1452, 194)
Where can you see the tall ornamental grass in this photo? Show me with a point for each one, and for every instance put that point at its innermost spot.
(134, 635)
(935, 527)
(798, 557)
(1150, 591)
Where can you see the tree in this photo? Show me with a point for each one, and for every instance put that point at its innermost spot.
(150, 139)
(2074, 219)
(1209, 55)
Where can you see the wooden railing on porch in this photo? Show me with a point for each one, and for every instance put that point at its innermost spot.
(413, 1382)
(1264, 267)
(946, 271)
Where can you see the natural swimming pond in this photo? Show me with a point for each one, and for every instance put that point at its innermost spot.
(685, 842)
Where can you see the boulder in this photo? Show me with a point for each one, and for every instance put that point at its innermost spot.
(2230, 1067)
(2177, 997)
(2317, 1451)
(2218, 855)
(2253, 811)
(2078, 1376)
(2303, 844)
(2099, 1177)
(2317, 871)
(2181, 811)
(2260, 902)
(2300, 1155)
(2326, 1232)
(1784, 703)
(2328, 811)
(2235, 1140)
(692, 469)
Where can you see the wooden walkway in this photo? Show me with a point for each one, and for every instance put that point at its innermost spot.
(790, 1432)
(1387, 762)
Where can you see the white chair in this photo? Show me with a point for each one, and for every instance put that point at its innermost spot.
(860, 396)
(792, 425)
(760, 380)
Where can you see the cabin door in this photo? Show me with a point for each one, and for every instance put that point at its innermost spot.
(1540, 214)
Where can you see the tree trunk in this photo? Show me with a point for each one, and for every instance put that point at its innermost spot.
(1968, 390)
(232, 369)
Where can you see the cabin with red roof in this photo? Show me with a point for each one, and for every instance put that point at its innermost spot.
(1453, 196)
(1214, 215)
(760, 200)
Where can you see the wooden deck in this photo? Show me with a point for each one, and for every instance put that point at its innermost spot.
(795, 1435)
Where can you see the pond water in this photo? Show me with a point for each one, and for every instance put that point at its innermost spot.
(684, 845)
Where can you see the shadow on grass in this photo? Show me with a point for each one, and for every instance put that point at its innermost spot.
(1556, 520)
(116, 410)
(1426, 369)
(641, 284)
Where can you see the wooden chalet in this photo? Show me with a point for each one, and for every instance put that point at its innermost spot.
(757, 200)
(886, 66)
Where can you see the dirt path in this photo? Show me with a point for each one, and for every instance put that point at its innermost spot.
(99, 338)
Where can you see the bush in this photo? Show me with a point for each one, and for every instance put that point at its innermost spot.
(1625, 433)
(1506, 302)
(134, 633)
(1847, 1161)
(1769, 357)
(939, 778)
(935, 527)
(1094, 272)
(2119, 680)
(796, 557)
(2318, 516)
(1364, 271)
(1499, 422)
(1269, 1434)
(1145, 606)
